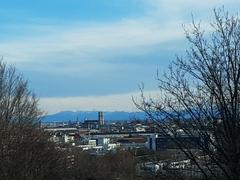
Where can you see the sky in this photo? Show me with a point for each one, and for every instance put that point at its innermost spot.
(94, 54)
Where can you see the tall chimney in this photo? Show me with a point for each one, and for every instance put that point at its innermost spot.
(101, 118)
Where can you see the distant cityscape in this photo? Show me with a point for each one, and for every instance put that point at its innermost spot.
(140, 136)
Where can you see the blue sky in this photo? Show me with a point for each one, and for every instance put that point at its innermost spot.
(93, 54)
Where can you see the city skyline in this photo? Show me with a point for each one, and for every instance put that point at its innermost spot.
(92, 55)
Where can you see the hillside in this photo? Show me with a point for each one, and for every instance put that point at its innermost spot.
(65, 116)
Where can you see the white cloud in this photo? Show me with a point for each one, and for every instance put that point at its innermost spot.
(93, 41)
(115, 102)
(90, 43)
(87, 44)
(181, 5)
(182, 10)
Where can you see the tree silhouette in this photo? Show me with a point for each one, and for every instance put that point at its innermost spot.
(25, 150)
(200, 95)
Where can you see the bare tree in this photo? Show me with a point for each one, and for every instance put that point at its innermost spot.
(25, 150)
(121, 165)
(201, 96)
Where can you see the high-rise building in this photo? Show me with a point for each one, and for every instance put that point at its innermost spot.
(101, 118)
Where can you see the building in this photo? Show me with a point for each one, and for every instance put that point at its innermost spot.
(63, 135)
(101, 118)
(160, 142)
(130, 143)
(94, 124)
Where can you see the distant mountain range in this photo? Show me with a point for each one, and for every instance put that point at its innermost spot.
(66, 116)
